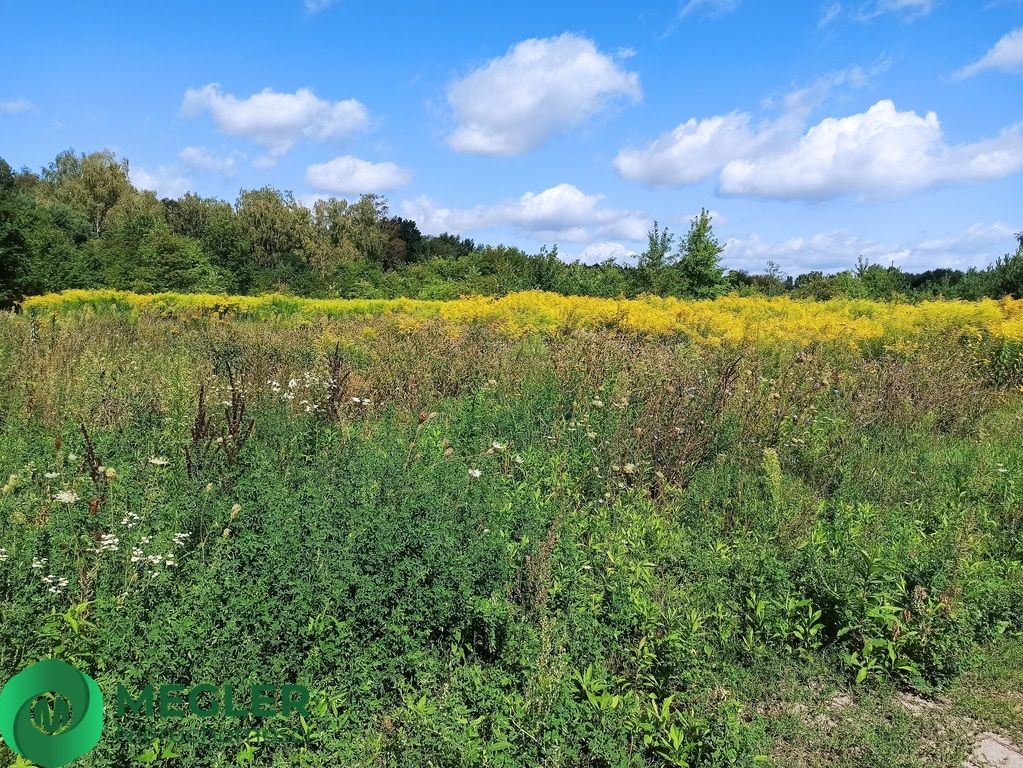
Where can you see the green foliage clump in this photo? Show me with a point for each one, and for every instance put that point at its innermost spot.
(573, 549)
(81, 223)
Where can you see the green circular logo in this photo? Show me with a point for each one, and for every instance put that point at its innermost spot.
(51, 714)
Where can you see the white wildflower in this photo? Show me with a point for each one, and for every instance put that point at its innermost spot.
(108, 543)
(66, 497)
(475, 473)
(159, 461)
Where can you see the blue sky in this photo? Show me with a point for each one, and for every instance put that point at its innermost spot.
(815, 132)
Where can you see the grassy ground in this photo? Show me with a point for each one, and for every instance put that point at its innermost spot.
(823, 721)
(582, 548)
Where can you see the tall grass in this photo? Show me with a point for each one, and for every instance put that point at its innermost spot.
(583, 547)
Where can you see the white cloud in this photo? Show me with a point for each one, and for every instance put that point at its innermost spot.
(315, 6)
(708, 7)
(541, 87)
(880, 153)
(832, 251)
(910, 10)
(13, 106)
(349, 175)
(994, 239)
(164, 180)
(277, 120)
(685, 220)
(700, 148)
(561, 213)
(202, 159)
(1007, 56)
(828, 252)
(693, 150)
(829, 14)
(595, 253)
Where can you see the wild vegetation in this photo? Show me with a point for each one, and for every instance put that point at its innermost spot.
(81, 224)
(528, 531)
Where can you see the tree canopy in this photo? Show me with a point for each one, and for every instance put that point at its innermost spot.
(80, 223)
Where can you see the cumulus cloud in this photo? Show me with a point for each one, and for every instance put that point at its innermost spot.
(1006, 56)
(13, 106)
(595, 253)
(164, 180)
(541, 87)
(349, 175)
(202, 159)
(699, 148)
(694, 150)
(832, 251)
(993, 239)
(277, 120)
(561, 213)
(880, 153)
(684, 220)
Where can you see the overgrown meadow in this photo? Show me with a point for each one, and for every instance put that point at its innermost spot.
(577, 544)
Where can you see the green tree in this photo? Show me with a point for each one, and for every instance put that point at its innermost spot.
(13, 248)
(275, 224)
(169, 262)
(225, 242)
(699, 259)
(654, 262)
(91, 184)
(1008, 272)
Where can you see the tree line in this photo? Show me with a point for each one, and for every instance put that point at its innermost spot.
(81, 223)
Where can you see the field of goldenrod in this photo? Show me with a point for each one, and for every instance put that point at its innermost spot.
(530, 530)
(726, 320)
